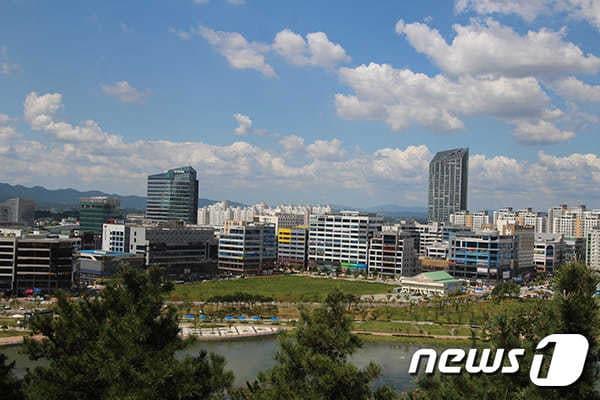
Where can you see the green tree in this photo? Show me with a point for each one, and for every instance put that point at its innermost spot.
(120, 345)
(573, 309)
(10, 386)
(508, 289)
(312, 362)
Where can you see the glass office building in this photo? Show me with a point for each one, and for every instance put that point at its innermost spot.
(173, 196)
(448, 180)
(95, 211)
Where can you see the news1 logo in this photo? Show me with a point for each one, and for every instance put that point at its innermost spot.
(565, 367)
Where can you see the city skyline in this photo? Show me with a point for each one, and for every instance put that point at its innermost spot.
(306, 114)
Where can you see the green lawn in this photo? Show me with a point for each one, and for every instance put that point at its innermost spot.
(280, 287)
(415, 329)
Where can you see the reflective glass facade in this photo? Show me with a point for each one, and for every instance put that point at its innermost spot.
(173, 196)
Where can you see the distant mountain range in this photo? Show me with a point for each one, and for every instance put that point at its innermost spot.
(69, 198)
(63, 199)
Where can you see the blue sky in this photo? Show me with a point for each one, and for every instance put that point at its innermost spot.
(341, 102)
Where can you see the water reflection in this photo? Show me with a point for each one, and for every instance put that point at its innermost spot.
(248, 357)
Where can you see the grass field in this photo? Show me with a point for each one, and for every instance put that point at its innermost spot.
(414, 329)
(290, 288)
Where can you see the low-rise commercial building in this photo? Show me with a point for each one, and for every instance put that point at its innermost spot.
(36, 263)
(430, 283)
(247, 248)
(8, 253)
(342, 239)
(392, 254)
(292, 247)
(482, 255)
(187, 252)
(548, 252)
(96, 264)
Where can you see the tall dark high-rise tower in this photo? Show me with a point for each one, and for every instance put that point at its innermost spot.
(448, 181)
(173, 196)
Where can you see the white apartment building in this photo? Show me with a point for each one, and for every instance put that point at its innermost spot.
(524, 217)
(392, 254)
(476, 220)
(592, 257)
(342, 239)
(572, 222)
(221, 213)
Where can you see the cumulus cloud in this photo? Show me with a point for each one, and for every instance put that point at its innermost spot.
(40, 110)
(315, 50)
(116, 164)
(292, 143)
(576, 90)
(540, 132)
(587, 10)
(125, 92)
(401, 97)
(326, 149)
(492, 48)
(239, 52)
(244, 124)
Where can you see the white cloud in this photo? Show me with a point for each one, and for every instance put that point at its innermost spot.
(587, 10)
(405, 165)
(576, 90)
(7, 132)
(40, 113)
(528, 10)
(244, 124)
(401, 98)
(239, 52)
(292, 143)
(125, 92)
(540, 132)
(114, 164)
(326, 150)
(491, 48)
(315, 50)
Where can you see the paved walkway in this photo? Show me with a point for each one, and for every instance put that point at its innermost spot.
(231, 332)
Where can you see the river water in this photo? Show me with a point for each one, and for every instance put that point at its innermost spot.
(246, 358)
